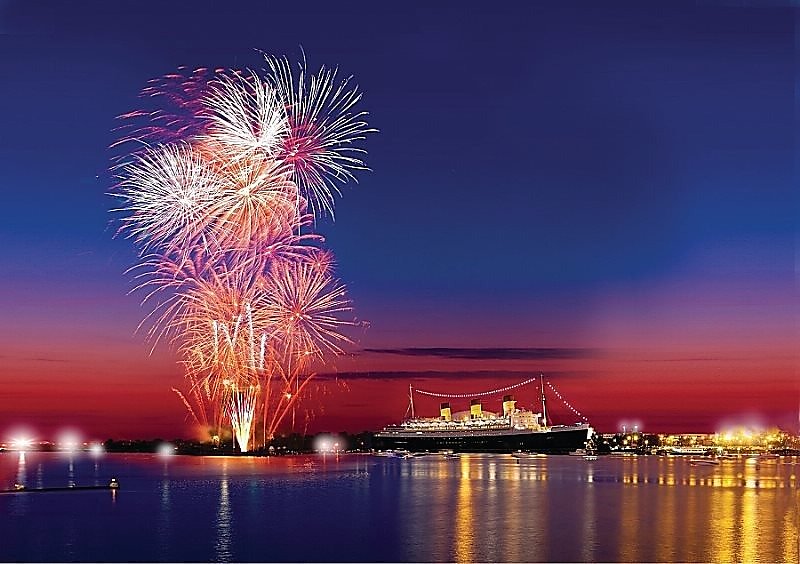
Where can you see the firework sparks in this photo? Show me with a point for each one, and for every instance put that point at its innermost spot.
(257, 203)
(219, 195)
(245, 114)
(321, 146)
(302, 304)
(175, 112)
(168, 192)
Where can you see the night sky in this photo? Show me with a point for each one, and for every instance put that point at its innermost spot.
(603, 194)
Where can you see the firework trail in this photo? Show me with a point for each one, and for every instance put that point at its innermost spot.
(241, 408)
(174, 113)
(219, 190)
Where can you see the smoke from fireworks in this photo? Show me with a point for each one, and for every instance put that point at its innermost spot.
(219, 192)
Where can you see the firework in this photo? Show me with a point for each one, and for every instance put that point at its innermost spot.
(325, 127)
(174, 113)
(257, 203)
(302, 305)
(245, 114)
(241, 408)
(168, 193)
(219, 195)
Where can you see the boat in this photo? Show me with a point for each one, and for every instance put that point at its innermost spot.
(703, 461)
(691, 450)
(396, 453)
(588, 453)
(514, 430)
(525, 455)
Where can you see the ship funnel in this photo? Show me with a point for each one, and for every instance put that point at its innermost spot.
(509, 405)
(444, 411)
(475, 409)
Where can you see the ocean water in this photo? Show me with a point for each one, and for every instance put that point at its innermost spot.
(369, 508)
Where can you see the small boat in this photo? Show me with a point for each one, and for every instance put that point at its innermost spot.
(703, 461)
(691, 450)
(519, 455)
(392, 453)
(588, 453)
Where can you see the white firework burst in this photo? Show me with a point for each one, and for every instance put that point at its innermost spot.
(245, 116)
(167, 192)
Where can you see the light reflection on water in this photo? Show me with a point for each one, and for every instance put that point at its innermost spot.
(164, 515)
(465, 524)
(363, 508)
(222, 549)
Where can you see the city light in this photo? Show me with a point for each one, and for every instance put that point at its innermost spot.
(68, 441)
(21, 443)
(328, 444)
(166, 449)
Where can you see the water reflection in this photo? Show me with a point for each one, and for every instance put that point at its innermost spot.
(511, 509)
(667, 512)
(71, 472)
(466, 509)
(222, 546)
(465, 523)
(164, 529)
(589, 533)
(21, 478)
(652, 509)
(629, 525)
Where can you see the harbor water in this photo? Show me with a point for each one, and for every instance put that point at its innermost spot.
(368, 508)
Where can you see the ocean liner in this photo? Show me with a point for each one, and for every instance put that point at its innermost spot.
(478, 430)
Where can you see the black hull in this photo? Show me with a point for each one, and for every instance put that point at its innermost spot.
(561, 441)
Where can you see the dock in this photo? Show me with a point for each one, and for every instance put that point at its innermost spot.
(20, 489)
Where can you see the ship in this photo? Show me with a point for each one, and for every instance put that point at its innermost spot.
(510, 431)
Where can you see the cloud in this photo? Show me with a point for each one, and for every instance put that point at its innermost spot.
(500, 353)
(461, 375)
(33, 359)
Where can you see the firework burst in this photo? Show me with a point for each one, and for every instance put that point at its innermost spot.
(256, 205)
(303, 305)
(219, 195)
(325, 127)
(168, 193)
(244, 114)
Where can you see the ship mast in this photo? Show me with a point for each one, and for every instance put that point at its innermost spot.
(411, 399)
(544, 403)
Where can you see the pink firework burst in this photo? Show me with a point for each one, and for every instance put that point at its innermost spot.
(325, 128)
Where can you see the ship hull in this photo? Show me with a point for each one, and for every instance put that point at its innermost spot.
(554, 441)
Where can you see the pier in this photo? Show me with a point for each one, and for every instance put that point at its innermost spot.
(20, 489)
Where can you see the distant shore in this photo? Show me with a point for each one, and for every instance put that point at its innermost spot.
(636, 443)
